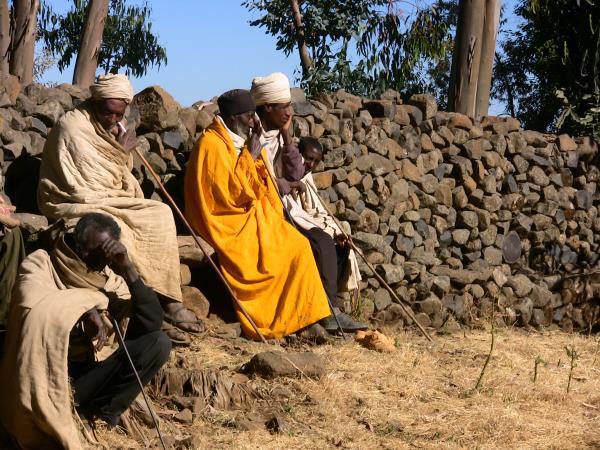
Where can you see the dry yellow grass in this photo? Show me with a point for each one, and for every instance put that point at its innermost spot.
(420, 396)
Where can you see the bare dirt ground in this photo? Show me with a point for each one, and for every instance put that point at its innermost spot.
(420, 396)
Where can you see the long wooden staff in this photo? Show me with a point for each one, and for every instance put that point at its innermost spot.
(238, 304)
(408, 312)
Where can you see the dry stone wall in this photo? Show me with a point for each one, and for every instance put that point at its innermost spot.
(439, 203)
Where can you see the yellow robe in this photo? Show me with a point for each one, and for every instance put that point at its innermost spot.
(232, 203)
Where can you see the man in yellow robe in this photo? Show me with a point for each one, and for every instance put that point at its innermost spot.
(232, 202)
(86, 167)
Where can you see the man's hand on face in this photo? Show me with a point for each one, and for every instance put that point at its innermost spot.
(94, 328)
(254, 144)
(127, 139)
(118, 259)
(288, 125)
(297, 188)
(286, 131)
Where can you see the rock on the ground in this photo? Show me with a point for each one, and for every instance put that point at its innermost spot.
(273, 364)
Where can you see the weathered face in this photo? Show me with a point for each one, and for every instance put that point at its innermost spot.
(312, 157)
(276, 115)
(240, 124)
(109, 111)
(91, 252)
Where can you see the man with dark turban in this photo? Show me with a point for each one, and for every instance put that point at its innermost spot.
(232, 202)
(86, 167)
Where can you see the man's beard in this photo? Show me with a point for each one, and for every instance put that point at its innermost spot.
(240, 130)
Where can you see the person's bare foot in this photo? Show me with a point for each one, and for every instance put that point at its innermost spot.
(181, 317)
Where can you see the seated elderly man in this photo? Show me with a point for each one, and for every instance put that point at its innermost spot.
(86, 167)
(231, 202)
(57, 329)
(308, 213)
(273, 98)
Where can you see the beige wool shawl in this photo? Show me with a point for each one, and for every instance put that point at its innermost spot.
(36, 408)
(308, 212)
(84, 169)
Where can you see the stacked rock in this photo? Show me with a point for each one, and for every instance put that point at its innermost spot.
(431, 197)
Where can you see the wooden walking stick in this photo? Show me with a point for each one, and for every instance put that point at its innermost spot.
(238, 304)
(137, 377)
(379, 277)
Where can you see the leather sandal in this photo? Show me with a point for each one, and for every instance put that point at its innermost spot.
(177, 336)
(176, 322)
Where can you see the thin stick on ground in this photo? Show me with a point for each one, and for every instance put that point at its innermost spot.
(489, 356)
(137, 377)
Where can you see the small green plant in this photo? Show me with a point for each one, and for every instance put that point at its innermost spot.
(572, 354)
(596, 352)
(357, 306)
(397, 342)
(538, 360)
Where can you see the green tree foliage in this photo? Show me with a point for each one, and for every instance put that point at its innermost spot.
(549, 71)
(128, 41)
(364, 46)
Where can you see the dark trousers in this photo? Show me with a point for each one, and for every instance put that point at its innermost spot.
(330, 258)
(108, 388)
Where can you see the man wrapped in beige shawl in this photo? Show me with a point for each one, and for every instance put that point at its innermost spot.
(57, 330)
(86, 167)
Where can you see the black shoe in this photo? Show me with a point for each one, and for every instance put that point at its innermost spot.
(314, 333)
(346, 322)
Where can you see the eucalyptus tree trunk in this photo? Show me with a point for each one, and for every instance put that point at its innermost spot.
(305, 59)
(22, 43)
(488, 51)
(466, 58)
(89, 48)
(4, 35)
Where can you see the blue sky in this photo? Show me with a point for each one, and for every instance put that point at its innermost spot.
(211, 48)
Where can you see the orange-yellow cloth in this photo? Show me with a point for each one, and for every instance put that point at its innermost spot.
(232, 203)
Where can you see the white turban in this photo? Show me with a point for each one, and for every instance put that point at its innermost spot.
(112, 86)
(274, 88)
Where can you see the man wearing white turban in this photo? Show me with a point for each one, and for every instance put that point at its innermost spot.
(86, 167)
(274, 108)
